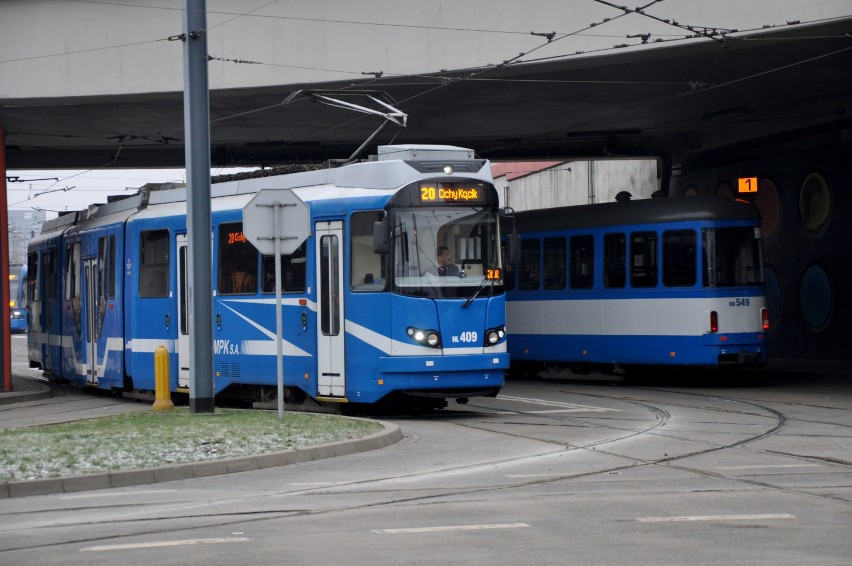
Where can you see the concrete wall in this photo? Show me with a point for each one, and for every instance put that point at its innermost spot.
(807, 251)
(569, 183)
(57, 48)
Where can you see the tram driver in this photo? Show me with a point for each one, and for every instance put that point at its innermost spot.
(444, 265)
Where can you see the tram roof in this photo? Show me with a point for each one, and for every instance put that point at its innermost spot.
(633, 212)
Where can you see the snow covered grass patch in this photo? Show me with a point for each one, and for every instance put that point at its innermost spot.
(147, 439)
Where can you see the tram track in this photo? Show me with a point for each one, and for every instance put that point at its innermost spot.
(670, 461)
(162, 518)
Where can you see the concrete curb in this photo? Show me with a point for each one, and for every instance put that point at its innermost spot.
(33, 392)
(390, 435)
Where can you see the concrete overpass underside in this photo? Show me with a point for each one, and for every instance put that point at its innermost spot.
(774, 105)
(697, 101)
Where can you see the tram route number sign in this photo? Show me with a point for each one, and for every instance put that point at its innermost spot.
(293, 223)
(747, 185)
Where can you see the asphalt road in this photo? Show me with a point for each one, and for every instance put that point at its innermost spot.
(664, 471)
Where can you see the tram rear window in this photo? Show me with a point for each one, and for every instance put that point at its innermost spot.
(731, 257)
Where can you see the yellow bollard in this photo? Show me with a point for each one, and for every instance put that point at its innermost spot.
(162, 394)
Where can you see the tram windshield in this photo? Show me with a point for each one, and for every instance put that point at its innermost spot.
(732, 256)
(449, 252)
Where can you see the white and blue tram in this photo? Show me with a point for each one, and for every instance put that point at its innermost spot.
(654, 282)
(17, 299)
(366, 319)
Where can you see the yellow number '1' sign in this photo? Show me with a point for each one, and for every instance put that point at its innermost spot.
(747, 185)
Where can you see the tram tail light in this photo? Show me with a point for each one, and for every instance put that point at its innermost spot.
(714, 321)
(764, 319)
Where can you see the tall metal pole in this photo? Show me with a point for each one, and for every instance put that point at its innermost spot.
(5, 331)
(196, 117)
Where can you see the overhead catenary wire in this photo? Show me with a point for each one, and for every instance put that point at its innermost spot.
(479, 73)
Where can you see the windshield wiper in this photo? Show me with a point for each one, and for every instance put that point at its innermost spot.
(479, 288)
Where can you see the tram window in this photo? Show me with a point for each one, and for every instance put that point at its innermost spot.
(679, 258)
(32, 282)
(292, 272)
(72, 273)
(554, 263)
(643, 259)
(731, 256)
(154, 264)
(106, 267)
(329, 291)
(582, 261)
(237, 261)
(49, 259)
(615, 260)
(72, 283)
(530, 273)
(366, 266)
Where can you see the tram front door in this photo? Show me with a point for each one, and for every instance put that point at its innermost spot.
(330, 337)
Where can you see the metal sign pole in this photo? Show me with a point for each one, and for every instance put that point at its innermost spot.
(288, 212)
(279, 324)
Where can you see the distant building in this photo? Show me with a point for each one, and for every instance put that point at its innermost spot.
(23, 226)
(532, 185)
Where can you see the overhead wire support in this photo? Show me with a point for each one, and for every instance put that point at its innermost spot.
(331, 98)
(548, 35)
(716, 34)
(17, 179)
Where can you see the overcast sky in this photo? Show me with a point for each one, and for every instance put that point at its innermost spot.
(60, 190)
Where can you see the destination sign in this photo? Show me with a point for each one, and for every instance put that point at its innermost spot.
(449, 193)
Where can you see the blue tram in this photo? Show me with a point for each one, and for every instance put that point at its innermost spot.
(17, 299)
(654, 282)
(366, 318)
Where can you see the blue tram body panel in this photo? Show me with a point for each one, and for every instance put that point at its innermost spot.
(362, 321)
(654, 282)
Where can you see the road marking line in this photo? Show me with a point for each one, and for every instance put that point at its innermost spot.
(417, 530)
(534, 475)
(118, 494)
(571, 406)
(716, 518)
(163, 543)
(769, 466)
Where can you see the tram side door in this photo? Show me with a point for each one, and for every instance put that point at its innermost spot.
(330, 338)
(90, 341)
(183, 312)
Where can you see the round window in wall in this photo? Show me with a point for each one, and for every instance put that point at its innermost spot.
(725, 190)
(814, 203)
(769, 203)
(816, 297)
(773, 294)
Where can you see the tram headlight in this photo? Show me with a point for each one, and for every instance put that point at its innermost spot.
(429, 338)
(17, 314)
(494, 335)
